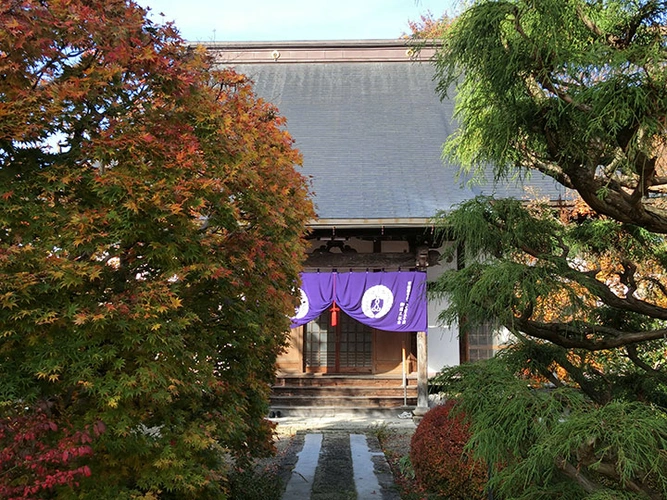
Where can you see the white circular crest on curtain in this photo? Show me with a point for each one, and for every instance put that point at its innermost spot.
(303, 308)
(377, 301)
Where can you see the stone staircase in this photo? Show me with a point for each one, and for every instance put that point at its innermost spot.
(340, 395)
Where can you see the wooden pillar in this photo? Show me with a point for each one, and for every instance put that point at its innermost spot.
(422, 377)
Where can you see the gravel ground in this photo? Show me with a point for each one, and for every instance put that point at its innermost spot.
(334, 478)
(396, 446)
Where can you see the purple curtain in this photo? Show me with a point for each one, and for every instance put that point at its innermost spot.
(391, 301)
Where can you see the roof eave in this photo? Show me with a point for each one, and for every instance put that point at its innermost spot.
(366, 223)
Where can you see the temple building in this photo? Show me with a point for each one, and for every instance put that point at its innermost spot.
(369, 124)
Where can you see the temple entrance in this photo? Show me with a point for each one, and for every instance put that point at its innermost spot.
(346, 347)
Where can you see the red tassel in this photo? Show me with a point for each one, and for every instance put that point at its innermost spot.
(334, 314)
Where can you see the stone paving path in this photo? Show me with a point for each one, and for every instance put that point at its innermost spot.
(340, 465)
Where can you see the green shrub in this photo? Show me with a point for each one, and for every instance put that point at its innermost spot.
(439, 460)
(557, 443)
(261, 483)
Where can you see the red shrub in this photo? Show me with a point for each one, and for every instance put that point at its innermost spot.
(436, 453)
(36, 456)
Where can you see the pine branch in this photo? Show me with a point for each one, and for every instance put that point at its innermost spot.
(628, 303)
(657, 283)
(609, 470)
(633, 355)
(576, 475)
(589, 337)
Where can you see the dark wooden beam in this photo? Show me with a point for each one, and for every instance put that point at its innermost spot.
(357, 261)
(362, 261)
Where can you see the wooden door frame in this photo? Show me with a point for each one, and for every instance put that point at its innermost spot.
(336, 368)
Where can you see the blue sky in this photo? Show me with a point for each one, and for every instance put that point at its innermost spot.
(261, 20)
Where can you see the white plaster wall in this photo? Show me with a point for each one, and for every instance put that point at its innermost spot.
(443, 347)
(442, 340)
(502, 337)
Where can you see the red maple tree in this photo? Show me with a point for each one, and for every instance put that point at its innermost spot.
(151, 235)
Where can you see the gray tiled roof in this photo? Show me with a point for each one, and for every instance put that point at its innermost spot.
(371, 135)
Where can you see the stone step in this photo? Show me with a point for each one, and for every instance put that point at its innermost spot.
(277, 412)
(319, 395)
(335, 391)
(343, 380)
(342, 401)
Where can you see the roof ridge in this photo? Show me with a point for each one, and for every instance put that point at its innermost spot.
(326, 51)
